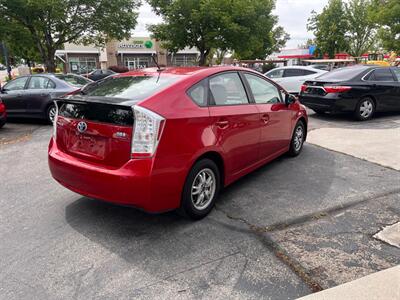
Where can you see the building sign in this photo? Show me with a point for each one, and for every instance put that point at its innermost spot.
(136, 45)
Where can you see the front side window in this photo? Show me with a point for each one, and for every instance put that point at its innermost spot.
(227, 89)
(16, 84)
(275, 74)
(263, 91)
(40, 83)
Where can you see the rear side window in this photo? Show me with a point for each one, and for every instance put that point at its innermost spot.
(380, 75)
(308, 72)
(227, 89)
(293, 72)
(130, 87)
(275, 74)
(40, 83)
(98, 112)
(198, 93)
(73, 80)
(396, 72)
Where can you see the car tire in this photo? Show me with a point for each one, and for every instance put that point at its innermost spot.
(51, 113)
(201, 190)
(365, 109)
(298, 138)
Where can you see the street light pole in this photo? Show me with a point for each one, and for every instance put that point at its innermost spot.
(5, 52)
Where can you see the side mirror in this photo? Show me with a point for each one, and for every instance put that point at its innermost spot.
(289, 99)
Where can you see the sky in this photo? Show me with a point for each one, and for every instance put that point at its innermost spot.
(293, 15)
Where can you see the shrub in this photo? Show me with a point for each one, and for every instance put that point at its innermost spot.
(119, 69)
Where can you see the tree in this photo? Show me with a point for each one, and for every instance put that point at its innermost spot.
(330, 28)
(243, 26)
(52, 23)
(386, 13)
(362, 29)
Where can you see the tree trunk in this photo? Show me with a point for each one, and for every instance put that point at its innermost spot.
(203, 57)
(50, 62)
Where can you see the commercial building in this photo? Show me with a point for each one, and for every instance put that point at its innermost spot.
(134, 53)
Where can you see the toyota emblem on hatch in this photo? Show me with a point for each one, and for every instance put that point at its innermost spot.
(82, 126)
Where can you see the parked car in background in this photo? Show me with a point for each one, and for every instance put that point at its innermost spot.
(171, 139)
(291, 78)
(32, 96)
(99, 74)
(361, 90)
(3, 114)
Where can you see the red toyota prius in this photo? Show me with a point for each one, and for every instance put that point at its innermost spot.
(165, 139)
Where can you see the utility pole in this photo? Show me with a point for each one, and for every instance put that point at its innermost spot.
(5, 53)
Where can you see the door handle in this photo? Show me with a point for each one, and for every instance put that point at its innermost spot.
(265, 118)
(222, 124)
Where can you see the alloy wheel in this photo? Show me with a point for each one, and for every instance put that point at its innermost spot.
(52, 113)
(366, 109)
(298, 138)
(203, 189)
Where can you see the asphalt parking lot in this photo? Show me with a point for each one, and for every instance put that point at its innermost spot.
(293, 227)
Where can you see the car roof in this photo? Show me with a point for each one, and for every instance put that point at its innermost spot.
(299, 68)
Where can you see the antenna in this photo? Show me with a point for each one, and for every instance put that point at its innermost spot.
(156, 63)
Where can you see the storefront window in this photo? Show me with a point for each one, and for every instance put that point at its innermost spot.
(137, 62)
(82, 65)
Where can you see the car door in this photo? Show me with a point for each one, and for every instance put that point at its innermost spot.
(384, 88)
(396, 98)
(39, 93)
(13, 94)
(235, 121)
(275, 115)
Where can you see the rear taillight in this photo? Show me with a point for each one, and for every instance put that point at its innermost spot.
(147, 132)
(55, 122)
(303, 87)
(2, 107)
(336, 89)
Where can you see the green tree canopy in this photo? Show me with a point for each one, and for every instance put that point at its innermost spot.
(243, 26)
(362, 30)
(52, 23)
(386, 13)
(330, 28)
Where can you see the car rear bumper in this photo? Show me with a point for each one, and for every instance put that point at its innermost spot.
(129, 185)
(330, 103)
(3, 118)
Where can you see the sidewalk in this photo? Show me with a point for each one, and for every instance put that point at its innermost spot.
(383, 285)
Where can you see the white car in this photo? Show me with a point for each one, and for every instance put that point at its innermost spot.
(291, 78)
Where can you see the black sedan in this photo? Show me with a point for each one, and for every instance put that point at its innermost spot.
(32, 96)
(361, 90)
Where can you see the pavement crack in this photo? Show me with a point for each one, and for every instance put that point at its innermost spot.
(262, 233)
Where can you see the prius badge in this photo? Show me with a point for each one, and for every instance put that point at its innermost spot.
(82, 126)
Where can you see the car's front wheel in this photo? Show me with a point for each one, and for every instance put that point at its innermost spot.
(201, 190)
(298, 138)
(365, 109)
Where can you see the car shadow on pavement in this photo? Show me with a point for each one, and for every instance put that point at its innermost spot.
(348, 119)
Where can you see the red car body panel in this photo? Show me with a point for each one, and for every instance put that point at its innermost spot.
(239, 135)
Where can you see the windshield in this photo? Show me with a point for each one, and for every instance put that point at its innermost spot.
(129, 87)
(73, 80)
(343, 74)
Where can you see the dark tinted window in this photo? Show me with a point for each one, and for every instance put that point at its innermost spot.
(383, 75)
(130, 87)
(97, 112)
(396, 72)
(293, 72)
(308, 72)
(343, 74)
(198, 93)
(227, 89)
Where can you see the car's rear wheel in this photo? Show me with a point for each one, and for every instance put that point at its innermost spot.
(201, 190)
(365, 109)
(51, 113)
(298, 137)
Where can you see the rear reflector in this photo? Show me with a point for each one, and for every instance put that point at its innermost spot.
(336, 89)
(303, 88)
